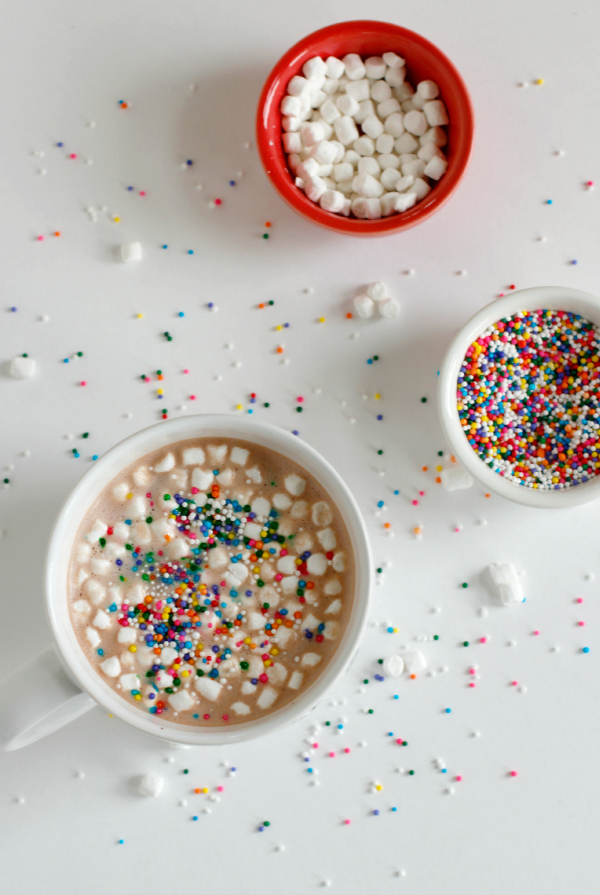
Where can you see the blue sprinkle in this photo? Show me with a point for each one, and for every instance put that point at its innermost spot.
(396, 492)
(379, 416)
(60, 144)
(376, 812)
(66, 360)
(191, 252)
(390, 630)
(295, 432)
(195, 817)
(189, 162)
(261, 829)
(13, 310)
(94, 456)
(340, 727)
(121, 841)
(310, 770)
(100, 652)
(448, 711)
(390, 734)
(396, 696)
(394, 809)
(232, 183)
(181, 314)
(585, 649)
(129, 189)
(573, 261)
(380, 504)
(370, 361)
(548, 201)
(165, 246)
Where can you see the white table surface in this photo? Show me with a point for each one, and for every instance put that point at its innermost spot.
(65, 64)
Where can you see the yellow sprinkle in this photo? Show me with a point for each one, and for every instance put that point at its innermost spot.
(200, 646)
(159, 391)
(139, 316)
(129, 496)
(204, 789)
(238, 407)
(396, 630)
(539, 81)
(321, 320)
(277, 328)
(379, 787)
(185, 674)
(137, 697)
(116, 220)
(438, 468)
(256, 570)
(133, 648)
(274, 651)
(247, 640)
(377, 396)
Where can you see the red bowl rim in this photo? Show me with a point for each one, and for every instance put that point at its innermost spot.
(280, 178)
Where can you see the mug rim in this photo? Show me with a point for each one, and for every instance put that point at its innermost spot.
(98, 475)
(554, 298)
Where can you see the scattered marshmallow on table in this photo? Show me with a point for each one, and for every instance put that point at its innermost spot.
(506, 580)
(131, 251)
(360, 139)
(22, 367)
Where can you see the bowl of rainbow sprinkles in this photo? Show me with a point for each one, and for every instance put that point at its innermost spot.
(519, 397)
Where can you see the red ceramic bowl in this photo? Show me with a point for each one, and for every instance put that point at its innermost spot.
(423, 61)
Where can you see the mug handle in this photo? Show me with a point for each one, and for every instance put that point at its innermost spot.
(38, 699)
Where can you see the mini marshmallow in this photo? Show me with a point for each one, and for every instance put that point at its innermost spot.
(295, 681)
(414, 168)
(295, 484)
(405, 201)
(354, 67)
(358, 90)
(166, 464)
(292, 142)
(418, 102)
(389, 307)
(364, 146)
(372, 127)
(307, 169)
(267, 697)
(101, 620)
(393, 60)
(291, 105)
(151, 785)
(414, 661)
(192, 456)
(388, 107)
(403, 92)
(380, 91)
(408, 106)
(369, 165)
(404, 183)
(291, 123)
(130, 681)
(434, 135)
(347, 105)
(395, 76)
(324, 152)
(428, 89)
(420, 188)
(367, 186)
(343, 171)
(375, 67)
(93, 637)
(405, 143)
(208, 687)
(111, 667)
(314, 188)
(126, 635)
(436, 168)
(394, 124)
(428, 151)
(435, 113)
(415, 123)
(506, 580)
(367, 209)
(181, 701)
(345, 130)
(339, 151)
(365, 110)
(388, 203)
(22, 367)
(299, 87)
(334, 68)
(239, 455)
(352, 157)
(314, 68)
(312, 133)
(377, 291)
(384, 144)
(330, 111)
(332, 200)
(393, 666)
(389, 177)
(330, 86)
(364, 306)
(131, 251)
(388, 160)
(455, 478)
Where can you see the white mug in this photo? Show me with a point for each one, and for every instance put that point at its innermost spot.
(61, 684)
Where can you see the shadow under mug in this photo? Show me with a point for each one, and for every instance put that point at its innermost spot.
(61, 684)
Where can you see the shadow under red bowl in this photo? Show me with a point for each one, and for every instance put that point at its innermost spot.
(423, 61)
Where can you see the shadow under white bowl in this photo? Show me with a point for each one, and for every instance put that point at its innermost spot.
(552, 298)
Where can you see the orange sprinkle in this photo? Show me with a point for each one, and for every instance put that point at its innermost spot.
(453, 458)
(348, 316)
(124, 105)
(267, 223)
(413, 677)
(197, 790)
(262, 304)
(488, 495)
(280, 349)
(438, 480)
(387, 525)
(57, 232)
(425, 468)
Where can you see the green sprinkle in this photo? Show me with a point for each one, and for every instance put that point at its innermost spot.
(465, 642)
(328, 724)
(266, 823)
(148, 519)
(185, 771)
(244, 665)
(102, 542)
(85, 435)
(380, 661)
(464, 584)
(436, 636)
(366, 680)
(370, 711)
(423, 400)
(166, 497)
(380, 452)
(411, 773)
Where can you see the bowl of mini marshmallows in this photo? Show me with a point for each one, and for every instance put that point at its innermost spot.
(519, 397)
(365, 128)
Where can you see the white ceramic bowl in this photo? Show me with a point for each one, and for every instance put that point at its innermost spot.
(553, 298)
(41, 697)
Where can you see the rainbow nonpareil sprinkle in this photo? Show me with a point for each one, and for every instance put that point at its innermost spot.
(528, 398)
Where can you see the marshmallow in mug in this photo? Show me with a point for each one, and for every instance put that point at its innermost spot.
(360, 139)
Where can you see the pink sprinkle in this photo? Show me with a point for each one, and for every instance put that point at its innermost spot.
(590, 183)
(142, 192)
(415, 503)
(422, 493)
(218, 201)
(458, 778)
(579, 600)
(581, 624)
(483, 640)
(149, 494)
(83, 382)
(186, 371)
(347, 750)
(471, 684)
(515, 683)
(40, 239)
(315, 745)
(501, 295)
(278, 576)
(513, 773)
(195, 490)
(472, 671)
(346, 822)
(536, 633)
(73, 155)
(220, 788)
(457, 530)
(332, 754)
(399, 742)
(192, 397)
(283, 552)
(300, 399)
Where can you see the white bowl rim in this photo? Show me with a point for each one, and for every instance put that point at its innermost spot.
(554, 298)
(161, 435)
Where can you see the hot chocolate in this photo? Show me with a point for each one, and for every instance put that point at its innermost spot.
(211, 581)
